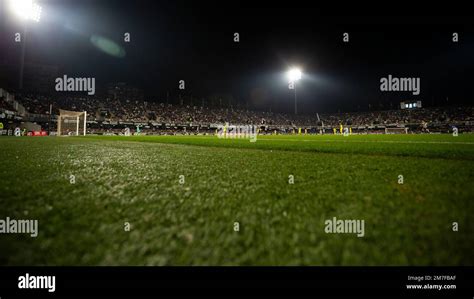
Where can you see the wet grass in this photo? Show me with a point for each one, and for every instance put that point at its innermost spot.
(136, 180)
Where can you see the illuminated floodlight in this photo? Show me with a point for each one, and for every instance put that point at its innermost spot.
(294, 74)
(36, 13)
(26, 9)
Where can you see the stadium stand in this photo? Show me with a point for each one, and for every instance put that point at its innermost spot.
(112, 116)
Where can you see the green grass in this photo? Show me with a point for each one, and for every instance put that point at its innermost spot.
(136, 180)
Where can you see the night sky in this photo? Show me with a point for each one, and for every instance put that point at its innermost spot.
(193, 41)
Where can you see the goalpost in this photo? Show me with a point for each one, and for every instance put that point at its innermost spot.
(71, 123)
(396, 130)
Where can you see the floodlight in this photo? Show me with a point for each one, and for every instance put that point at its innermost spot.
(294, 74)
(26, 9)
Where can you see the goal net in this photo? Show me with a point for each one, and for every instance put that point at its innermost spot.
(396, 130)
(71, 123)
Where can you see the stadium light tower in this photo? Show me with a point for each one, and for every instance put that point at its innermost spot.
(294, 75)
(25, 10)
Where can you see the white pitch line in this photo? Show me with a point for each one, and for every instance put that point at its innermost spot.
(369, 141)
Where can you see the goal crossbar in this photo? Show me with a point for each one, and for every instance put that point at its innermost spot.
(396, 130)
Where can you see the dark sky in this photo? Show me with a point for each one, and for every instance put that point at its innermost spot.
(193, 41)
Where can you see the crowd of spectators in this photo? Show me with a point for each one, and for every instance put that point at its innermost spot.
(4, 105)
(402, 117)
(135, 111)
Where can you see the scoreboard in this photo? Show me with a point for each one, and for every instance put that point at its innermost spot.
(410, 104)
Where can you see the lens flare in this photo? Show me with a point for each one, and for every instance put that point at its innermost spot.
(107, 46)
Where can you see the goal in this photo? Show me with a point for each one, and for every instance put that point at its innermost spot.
(71, 123)
(396, 130)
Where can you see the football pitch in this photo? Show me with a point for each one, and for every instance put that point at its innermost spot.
(201, 200)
